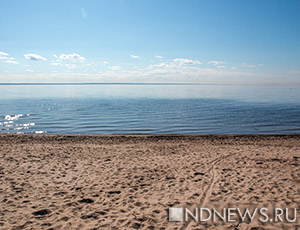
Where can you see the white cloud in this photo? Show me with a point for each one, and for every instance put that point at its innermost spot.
(34, 57)
(29, 70)
(294, 72)
(114, 67)
(159, 57)
(182, 61)
(71, 66)
(11, 62)
(3, 53)
(167, 72)
(70, 61)
(216, 63)
(163, 65)
(56, 63)
(68, 65)
(135, 56)
(83, 13)
(248, 65)
(70, 57)
(182, 70)
(5, 56)
(251, 66)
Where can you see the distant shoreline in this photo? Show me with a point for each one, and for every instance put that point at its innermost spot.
(132, 83)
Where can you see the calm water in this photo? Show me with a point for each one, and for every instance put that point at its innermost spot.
(150, 109)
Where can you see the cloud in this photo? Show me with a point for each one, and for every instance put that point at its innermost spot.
(68, 65)
(70, 61)
(248, 65)
(34, 57)
(72, 66)
(114, 67)
(294, 72)
(29, 70)
(251, 66)
(70, 57)
(83, 13)
(168, 71)
(183, 70)
(163, 65)
(216, 63)
(182, 61)
(5, 56)
(134, 56)
(11, 62)
(56, 63)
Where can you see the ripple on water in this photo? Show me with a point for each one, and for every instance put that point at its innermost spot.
(17, 123)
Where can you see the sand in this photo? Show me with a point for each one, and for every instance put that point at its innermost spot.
(130, 181)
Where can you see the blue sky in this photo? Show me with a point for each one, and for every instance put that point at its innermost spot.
(203, 41)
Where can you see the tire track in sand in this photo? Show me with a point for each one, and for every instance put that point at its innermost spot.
(207, 192)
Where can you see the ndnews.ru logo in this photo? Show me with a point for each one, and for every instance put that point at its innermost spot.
(231, 215)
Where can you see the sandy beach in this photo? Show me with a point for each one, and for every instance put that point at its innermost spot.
(130, 181)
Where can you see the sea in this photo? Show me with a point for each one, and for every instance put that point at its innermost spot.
(149, 109)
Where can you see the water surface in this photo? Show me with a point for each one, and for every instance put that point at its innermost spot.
(150, 109)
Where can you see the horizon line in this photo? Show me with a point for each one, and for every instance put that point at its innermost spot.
(138, 83)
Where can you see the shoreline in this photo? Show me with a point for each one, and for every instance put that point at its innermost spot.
(143, 137)
(53, 181)
(151, 135)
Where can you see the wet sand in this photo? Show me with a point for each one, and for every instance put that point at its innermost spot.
(130, 181)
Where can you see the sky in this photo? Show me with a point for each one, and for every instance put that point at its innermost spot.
(155, 41)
